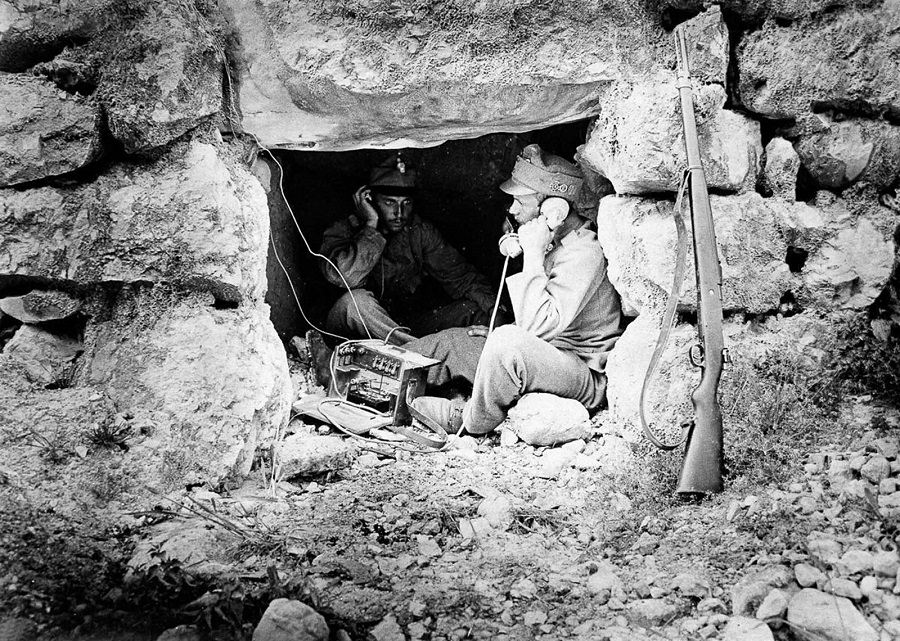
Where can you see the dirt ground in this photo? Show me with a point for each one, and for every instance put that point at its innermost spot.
(468, 543)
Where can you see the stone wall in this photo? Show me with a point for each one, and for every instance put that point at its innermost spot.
(124, 208)
(118, 191)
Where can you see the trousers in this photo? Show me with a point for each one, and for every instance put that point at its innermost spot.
(344, 319)
(502, 368)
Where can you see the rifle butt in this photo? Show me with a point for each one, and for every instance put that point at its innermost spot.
(701, 468)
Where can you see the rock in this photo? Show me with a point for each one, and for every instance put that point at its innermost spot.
(748, 593)
(638, 141)
(826, 550)
(497, 510)
(855, 562)
(876, 469)
(613, 454)
(807, 575)
(40, 306)
(18, 629)
(214, 382)
(652, 613)
(828, 616)
(290, 620)
(553, 462)
(708, 46)
(846, 245)
(193, 219)
(832, 59)
(309, 454)
(604, 582)
(358, 81)
(868, 585)
(692, 584)
(542, 419)
(746, 629)
(774, 605)
(46, 358)
(508, 438)
(387, 630)
(181, 633)
(196, 544)
(842, 587)
(848, 151)
(780, 172)
(886, 563)
(43, 132)
(165, 78)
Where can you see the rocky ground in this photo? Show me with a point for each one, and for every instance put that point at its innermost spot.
(493, 538)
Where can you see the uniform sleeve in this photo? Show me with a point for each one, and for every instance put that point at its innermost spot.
(546, 304)
(354, 251)
(458, 278)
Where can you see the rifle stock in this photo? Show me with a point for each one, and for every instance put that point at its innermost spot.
(701, 470)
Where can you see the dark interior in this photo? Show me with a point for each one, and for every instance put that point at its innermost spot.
(458, 192)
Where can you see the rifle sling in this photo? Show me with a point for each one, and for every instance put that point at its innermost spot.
(669, 316)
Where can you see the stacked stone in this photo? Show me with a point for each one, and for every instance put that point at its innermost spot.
(830, 255)
(116, 191)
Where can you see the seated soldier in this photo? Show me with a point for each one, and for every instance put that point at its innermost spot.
(567, 314)
(384, 252)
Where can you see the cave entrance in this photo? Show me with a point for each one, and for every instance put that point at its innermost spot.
(458, 192)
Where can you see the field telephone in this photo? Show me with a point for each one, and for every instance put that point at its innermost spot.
(553, 211)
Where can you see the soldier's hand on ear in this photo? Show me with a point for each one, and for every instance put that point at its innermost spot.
(365, 206)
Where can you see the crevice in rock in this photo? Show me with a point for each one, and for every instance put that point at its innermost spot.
(788, 305)
(732, 74)
(671, 17)
(22, 58)
(221, 303)
(843, 109)
(806, 185)
(796, 259)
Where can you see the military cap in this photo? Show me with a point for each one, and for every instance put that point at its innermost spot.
(538, 171)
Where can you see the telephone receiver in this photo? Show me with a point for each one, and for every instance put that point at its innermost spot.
(554, 211)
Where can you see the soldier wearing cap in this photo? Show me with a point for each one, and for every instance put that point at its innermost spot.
(384, 251)
(567, 314)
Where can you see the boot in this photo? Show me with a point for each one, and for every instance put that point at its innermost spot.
(319, 358)
(441, 412)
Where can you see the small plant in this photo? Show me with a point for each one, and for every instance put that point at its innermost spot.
(111, 434)
(51, 451)
(773, 408)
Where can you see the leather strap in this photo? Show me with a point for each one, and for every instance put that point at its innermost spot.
(668, 317)
(418, 437)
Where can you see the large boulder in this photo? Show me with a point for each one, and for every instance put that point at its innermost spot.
(847, 151)
(832, 254)
(46, 358)
(828, 617)
(163, 78)
(43, 131)
(638, 140)
(327, 77)
(195, 218)
(798, 338)
(214, 382)
(847, 57)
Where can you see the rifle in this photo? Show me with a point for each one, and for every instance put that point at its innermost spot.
(701, 469)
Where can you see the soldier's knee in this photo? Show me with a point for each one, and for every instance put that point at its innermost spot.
(505, 344)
